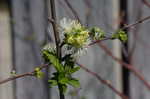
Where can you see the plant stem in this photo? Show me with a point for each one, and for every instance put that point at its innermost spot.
(57, 39)
(56, 33)
(60, 92)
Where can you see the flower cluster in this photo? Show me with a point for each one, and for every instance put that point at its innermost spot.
(74, 33)
(96, 33)
(121, 35)
(74, 39)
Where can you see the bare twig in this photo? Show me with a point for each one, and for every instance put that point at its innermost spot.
(128, 66)
(146, 3)
(22, 75)
(15, 77)
(51, 20)
(136, 23)
(107, 83)
(56, 33)
(135, 35)
(88, 11)
(97, 41)
(72, 10)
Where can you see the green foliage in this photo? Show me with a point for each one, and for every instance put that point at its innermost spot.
(75, 38)
(63, 88)
(13, 73)
(121, 35)
(52, 82)
(50, 57)
(96, 33)
(62, 76)
(38, 73)
(75, 34)
(74, 82)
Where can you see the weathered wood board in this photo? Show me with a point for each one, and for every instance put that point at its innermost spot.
(5, 52)
(29, 20)
(139, 42)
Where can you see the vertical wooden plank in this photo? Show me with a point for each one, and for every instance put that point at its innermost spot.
(139, 43)
(29, 25)
(101, 15)
(116, 47)
(5, 52)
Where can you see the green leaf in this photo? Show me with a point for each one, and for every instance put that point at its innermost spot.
(97, 33)
(54, 60)
(52, 82)
(74, 70)
(13, 73)
(64, 80)
(67, 69)
(121, 35)
(64, 87)
(74, 82)
(38, 73)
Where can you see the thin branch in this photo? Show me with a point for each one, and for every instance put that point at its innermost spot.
(88, 11)
(107, 83)
(22, 75)
(136, 23)
(128, 66)
(56, 33)
(51, 20)
(97, 41)
(15, 77)
(146, 3)
(125, 27)
(72, 10)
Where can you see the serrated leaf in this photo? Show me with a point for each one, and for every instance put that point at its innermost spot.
(64, 80)
(54, 60)
(38, 73)
(64, 87)
(121, 35)
(73, 70)
(52, 82)
(97, 33)
(74, 82)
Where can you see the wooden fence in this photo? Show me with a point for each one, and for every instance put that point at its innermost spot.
(24, 29)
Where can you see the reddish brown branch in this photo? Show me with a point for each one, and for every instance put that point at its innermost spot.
(146, 3)
(56, 33)
(128, 66)
(15, 77)
(72, 10)
(107, 83)
(136, 23)
(125, 27)
(22, 75)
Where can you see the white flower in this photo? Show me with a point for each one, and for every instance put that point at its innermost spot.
(67, 25)
(51, 47)
(80, 52)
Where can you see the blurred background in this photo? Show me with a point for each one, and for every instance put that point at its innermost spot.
(24, 29)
